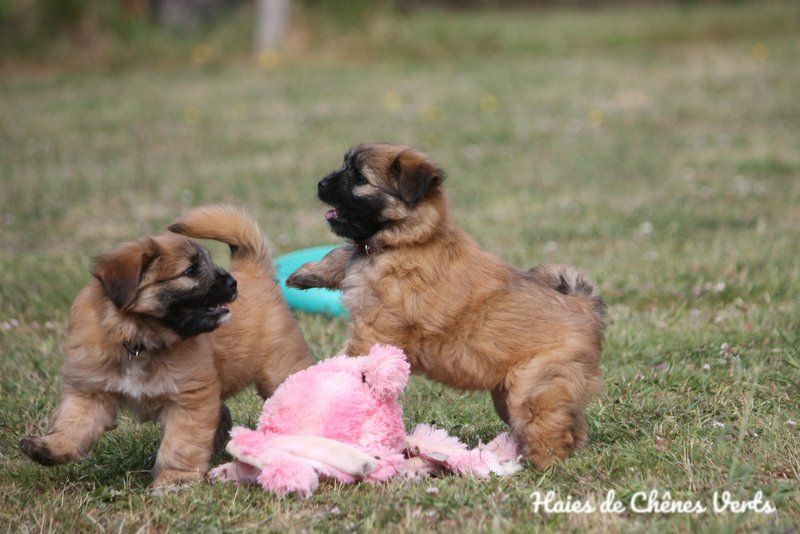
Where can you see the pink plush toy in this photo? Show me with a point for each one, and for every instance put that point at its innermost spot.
(341, 419)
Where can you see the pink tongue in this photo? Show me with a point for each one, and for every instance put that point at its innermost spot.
(330, 214)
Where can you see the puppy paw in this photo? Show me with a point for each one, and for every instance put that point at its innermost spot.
(169, 480)
(36, 448)
(304, 279)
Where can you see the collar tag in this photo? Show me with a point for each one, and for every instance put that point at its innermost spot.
(133, 350)
(369, 247)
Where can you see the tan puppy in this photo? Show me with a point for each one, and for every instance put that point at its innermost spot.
(412, 278)
(157, 331)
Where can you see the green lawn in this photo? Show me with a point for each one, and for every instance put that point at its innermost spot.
(659, 149)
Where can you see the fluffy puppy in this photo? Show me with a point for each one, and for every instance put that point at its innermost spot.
(412, 278)
(157, 330)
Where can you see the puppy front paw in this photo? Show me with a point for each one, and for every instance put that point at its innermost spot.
(304, 279)
(36, 448)
(172, 479)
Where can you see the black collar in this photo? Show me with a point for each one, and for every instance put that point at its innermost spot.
(133, 349)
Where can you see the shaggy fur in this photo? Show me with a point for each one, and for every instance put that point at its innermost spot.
(156, 331)
(462, 316)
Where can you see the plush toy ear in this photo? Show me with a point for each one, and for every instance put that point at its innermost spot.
(385, 371)
(415, 174)
(120, 271)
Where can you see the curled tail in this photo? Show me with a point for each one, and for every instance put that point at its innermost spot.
(569, 280)
(229, 225)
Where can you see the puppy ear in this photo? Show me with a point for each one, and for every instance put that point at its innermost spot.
(415, 174)
(120, 271)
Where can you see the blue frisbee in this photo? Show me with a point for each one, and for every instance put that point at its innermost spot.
(315, 300)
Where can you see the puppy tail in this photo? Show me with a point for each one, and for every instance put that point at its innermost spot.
(229, 225)
(569, 280)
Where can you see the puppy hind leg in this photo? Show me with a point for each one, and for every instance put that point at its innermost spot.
(293, 357)
(80, 419)
(546, 400)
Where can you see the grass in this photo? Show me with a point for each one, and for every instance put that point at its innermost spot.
(657, 148)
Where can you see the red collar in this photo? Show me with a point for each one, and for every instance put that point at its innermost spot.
(368, 247)
(133, 349)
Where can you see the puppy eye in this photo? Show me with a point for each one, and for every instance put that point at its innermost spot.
(363, 378)
(359, 179)
(190, 271)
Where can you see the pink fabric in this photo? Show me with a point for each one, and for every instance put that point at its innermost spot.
(353, 400)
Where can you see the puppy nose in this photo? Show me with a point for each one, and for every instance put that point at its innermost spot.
(231, 282)
(323, 183)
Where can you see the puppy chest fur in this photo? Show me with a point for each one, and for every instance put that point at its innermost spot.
(136, 381)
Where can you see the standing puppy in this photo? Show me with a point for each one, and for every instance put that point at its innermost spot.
(158, 330)
(412, 278)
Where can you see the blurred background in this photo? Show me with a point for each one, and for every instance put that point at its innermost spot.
(572, 130)
(113, 33)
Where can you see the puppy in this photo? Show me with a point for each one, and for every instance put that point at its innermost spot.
(160, 330)
(412, 278)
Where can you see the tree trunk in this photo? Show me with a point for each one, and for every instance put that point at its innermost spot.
(272, 23)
